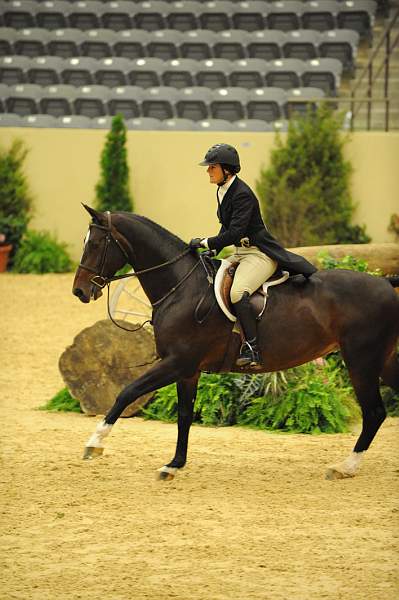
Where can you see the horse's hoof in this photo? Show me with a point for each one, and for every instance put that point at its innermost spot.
(333, 473)
(166, 473)
(92, 452)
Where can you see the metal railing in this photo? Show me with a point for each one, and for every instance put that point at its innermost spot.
(373, 73)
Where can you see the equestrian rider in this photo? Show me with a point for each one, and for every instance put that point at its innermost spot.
(256, 250)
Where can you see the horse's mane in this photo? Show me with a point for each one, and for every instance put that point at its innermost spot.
(165, 235)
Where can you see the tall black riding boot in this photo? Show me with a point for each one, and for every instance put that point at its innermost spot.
(249, 352)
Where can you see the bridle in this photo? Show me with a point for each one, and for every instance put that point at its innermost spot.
(101, 281)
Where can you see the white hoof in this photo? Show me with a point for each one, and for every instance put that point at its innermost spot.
(167, 473)
(348, 468)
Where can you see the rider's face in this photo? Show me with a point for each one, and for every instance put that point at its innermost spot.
(215, 173)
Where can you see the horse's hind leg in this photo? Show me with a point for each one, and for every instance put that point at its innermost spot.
(186, 394)
(365, 380)
(390, 371)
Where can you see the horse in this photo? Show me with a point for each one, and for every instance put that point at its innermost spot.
(304, 319)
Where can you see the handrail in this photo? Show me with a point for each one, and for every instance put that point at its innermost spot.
(373, 74)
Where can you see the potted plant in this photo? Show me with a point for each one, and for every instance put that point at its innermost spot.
(5, 250)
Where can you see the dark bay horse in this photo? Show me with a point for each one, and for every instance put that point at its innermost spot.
(355, 312)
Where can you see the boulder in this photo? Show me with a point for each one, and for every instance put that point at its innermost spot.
(102, 360)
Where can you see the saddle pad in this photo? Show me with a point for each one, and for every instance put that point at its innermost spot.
(225, 264)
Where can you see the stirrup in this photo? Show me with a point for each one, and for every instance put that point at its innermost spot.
(249, 356)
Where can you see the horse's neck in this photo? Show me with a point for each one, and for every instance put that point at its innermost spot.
(153, 246)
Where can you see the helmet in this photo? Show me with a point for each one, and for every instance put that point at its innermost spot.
(222, 154)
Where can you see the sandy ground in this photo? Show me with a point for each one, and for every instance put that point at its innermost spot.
(251, 516)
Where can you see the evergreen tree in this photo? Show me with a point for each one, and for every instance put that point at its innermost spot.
(15, 197)
(304, 194)
(112, 191)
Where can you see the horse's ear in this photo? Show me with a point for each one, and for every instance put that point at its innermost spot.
(97, 216)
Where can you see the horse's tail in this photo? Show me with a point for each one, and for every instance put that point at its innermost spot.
(394, 280)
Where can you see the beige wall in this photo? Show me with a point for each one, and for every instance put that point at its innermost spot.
(169, 186)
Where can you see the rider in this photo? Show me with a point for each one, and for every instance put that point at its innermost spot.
(256, 250)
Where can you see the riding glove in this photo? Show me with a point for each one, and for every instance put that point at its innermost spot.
(197, 243)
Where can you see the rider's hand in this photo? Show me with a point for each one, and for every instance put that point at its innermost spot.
(196, 243)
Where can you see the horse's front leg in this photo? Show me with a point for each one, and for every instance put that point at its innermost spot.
(186, 393)
(163, 373)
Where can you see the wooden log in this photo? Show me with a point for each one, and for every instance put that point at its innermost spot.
(382, 256)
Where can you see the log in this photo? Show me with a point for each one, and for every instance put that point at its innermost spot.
(382, 256)
(104, 359)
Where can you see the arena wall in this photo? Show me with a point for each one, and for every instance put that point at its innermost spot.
(168, 185)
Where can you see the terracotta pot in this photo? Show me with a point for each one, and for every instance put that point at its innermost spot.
(4, 254)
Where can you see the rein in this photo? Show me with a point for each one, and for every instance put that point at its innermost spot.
(100, 281)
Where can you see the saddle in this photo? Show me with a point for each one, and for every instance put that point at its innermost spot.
(224, 280)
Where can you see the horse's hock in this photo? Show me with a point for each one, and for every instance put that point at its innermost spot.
(101, 361)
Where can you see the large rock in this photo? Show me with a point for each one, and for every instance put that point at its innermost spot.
(382, 256)
(101, 361)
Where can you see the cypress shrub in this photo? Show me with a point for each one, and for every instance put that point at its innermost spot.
(15, 196)
(304, 194)
(112, 191)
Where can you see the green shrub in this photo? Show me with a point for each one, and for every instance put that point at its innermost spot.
(40, 252)
(62, 402)
(315, 400)
(15, 197)
(347, 262)
(305, 193)
(112, 191)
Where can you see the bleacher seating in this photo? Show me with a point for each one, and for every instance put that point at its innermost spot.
(180, 62)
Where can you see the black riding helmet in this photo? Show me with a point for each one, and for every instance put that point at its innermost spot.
(224, 155)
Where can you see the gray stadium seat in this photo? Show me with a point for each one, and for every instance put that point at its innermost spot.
(179, 73)
(132, 43)
(150, 15)
(198, 44)
(358, 16)
(144, 123)
(52, 15)
(231, 44)
(216, 16)
(266, 45)
(179, 125)
(320, 15)
(193, 103)
(125, 101)
(285, 15)
(323, 73)
(293, 107)
(302, 44)
(45, 70)
(112, 71)
(253, 125)
(285, 73)
(101, 122)
(90, 101)
(145, 72)
(229, 104)
(159, 103)
(10, 120)
(183, 16)
(213, 73)
(22, 99)
(98, 43)
(8, 35)
(79, 71)
(341, 44)
(117, 15)
(56, 100)
(65, 43)
(40, 121)
(74, 122)
(164, 44)
(13, 69)
(248, 73)
(215, 125)
(265, 104)
(18, 14)
(31, 42)
(85, 15)
(249, 16)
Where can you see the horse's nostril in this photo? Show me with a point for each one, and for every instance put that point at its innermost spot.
(77, 292)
